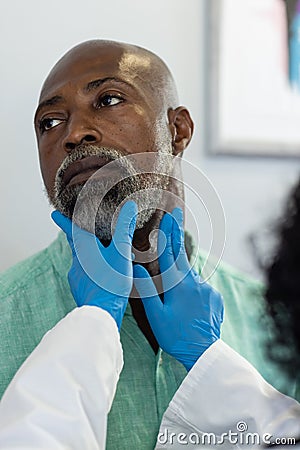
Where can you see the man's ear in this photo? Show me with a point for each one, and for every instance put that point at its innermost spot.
(181, 127)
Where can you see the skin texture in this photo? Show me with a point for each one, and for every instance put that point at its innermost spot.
(135, 92)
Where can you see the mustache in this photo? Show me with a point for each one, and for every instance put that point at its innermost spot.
(83, 151)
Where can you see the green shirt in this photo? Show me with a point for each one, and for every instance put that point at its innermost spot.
(35, 295)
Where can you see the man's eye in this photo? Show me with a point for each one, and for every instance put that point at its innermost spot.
(109, 100)
(48, 123)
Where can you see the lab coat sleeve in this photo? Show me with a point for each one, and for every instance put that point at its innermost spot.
(223, 394)
(61, 395)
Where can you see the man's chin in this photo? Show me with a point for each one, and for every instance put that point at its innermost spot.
(65, 202)
(96, 219)
(83, 208)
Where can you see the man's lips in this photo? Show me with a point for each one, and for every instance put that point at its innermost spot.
(81, 170)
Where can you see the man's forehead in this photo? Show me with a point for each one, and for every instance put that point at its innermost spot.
(83, 61)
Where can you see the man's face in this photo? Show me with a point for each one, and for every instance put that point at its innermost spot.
(100, 99)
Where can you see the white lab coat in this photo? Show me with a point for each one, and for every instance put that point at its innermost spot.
(61, 395)
(50, 403)
(224, 396)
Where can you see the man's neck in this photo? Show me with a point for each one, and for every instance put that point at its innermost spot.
(140, 317)
(138, 310)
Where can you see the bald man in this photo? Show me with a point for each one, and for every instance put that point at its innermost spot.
(101, 102)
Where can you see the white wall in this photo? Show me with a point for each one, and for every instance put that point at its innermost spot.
(35, 34)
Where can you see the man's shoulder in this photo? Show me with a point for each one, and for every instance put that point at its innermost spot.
(220, 272)
(34, 296)
(28, 271)
(19, 274)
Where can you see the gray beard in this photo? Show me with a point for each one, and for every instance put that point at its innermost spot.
(94, 206)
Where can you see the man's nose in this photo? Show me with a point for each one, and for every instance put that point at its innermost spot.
(81, 133)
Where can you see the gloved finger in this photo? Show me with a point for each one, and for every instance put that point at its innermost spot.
(181, 258)
(76, 236)
(148, 293)
(143, 282)
(125, 226)
(221, 315)
(219, 306)
(65, 224)
(164, 243)
(168, 269)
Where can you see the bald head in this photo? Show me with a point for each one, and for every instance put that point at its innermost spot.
(132, 63)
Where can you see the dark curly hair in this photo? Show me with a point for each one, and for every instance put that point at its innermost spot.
(283, 289)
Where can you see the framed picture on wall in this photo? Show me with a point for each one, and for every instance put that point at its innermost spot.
(254, 108)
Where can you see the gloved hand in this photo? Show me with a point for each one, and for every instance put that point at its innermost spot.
(101, 276)
(189, 320)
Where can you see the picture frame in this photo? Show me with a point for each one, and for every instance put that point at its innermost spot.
(252, 107)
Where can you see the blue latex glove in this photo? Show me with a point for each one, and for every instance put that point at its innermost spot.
(189, 320)
(101, 276)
